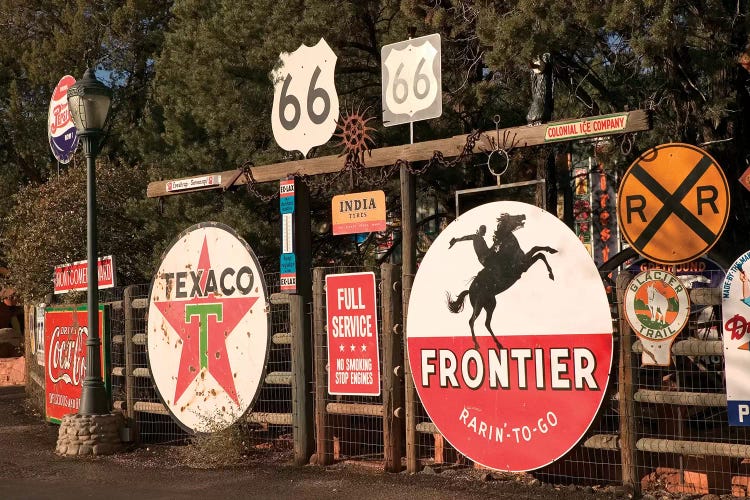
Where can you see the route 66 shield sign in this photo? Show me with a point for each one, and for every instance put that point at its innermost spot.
(305, 102)
(412, 88)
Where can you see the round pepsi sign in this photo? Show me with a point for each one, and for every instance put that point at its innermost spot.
(63, 139)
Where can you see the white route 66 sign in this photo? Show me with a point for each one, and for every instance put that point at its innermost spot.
(305, 102)
(412, 88)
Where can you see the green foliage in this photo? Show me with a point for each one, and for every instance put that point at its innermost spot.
(47, 227)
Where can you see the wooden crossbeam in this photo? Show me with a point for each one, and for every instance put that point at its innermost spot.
(522, 136)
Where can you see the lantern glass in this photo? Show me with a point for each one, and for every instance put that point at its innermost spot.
(88, 102)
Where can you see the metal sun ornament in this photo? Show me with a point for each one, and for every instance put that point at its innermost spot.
(355, 134)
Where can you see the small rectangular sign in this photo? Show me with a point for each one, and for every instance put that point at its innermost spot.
(586, 127)
(353, 351)
(286, 196)
(65, 335)
(358, 212)
(193, 183)
(73, 277)
(288, 271)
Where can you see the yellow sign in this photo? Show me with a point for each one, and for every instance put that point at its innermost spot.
(586, 127)
(673, 203)
(358, 212)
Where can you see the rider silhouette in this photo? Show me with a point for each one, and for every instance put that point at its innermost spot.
(480, 246)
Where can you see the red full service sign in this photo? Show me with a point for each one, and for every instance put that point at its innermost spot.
(509, 336)
(353, 354)
(65, 335)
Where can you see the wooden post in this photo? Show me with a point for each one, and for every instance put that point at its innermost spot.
(626, 392)
(302, 407)
(127, 307)
(408, 270)
(393, 369)
(324, 443)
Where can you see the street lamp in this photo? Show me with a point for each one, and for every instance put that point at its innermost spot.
(88, 102)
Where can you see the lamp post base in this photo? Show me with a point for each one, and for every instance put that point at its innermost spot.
(90, 434)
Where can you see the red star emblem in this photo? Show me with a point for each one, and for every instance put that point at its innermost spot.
(204, 324)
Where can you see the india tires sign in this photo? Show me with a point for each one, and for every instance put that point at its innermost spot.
(509, 336)
(208, 328)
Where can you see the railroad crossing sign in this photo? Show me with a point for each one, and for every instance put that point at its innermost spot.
(673, 203)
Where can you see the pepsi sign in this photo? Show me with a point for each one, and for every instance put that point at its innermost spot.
(63, 139)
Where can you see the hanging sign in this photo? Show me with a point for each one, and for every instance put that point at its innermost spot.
(358, 212)
(353, 354)
(673, 203)
(585, 127)
(735, 306)
(65, 335)
(74, 277)
(193, 183)
(412, 80)
(517, 389)
(61, 132)
(657, 307)
(208, 328)
(305, 102)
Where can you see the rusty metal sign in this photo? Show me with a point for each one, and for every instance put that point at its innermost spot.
(208, 328)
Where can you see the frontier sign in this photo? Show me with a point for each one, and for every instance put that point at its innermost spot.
(208, 328)
(518, 389)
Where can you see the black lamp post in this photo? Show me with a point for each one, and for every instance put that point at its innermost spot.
(88, 102)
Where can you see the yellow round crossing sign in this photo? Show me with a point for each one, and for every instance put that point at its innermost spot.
(673, 203)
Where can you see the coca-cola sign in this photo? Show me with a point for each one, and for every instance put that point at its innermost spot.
(65, 335)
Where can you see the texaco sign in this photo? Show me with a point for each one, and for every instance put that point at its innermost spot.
(208, 328)
(509, 336)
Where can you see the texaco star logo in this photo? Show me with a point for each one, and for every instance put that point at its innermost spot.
(208, 328)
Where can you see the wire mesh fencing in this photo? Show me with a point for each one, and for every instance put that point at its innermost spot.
(348, 426)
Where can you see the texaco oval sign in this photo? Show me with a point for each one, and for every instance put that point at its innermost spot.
(509, 336)
(208, 328)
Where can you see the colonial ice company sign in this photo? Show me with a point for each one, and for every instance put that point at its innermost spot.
(208, 328)
(509, 336)
(657, 306)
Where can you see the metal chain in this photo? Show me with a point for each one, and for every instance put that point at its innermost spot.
(355, 165)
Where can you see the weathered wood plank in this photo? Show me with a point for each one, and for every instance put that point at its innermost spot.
(522, 136)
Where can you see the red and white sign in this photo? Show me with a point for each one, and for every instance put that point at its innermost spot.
(509, 336)
(61, 131)
(73, 277)
(353, 354)
(208, 328)
(65, 335)
(193, 183)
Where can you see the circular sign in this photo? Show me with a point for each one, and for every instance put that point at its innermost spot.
(657, 305)
(509, 336)
(673, 203)
(208, 328)
(63, 139)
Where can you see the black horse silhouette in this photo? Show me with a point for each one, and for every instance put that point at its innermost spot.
(503, 267)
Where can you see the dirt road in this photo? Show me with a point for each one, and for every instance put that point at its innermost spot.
(29, 468)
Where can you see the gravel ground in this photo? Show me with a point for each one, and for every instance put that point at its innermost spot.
(29, 468)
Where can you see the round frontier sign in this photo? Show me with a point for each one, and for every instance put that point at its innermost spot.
(509, 336)
(208, 328)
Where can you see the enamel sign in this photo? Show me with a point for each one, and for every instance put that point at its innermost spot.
(353, 354)
(412, 86)
(208, 328)
(358, 212)
(63, 139)
(657, 307)
(673, 193)
(65, 335)
(305, 102)
(509, 336)
(735, 302)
